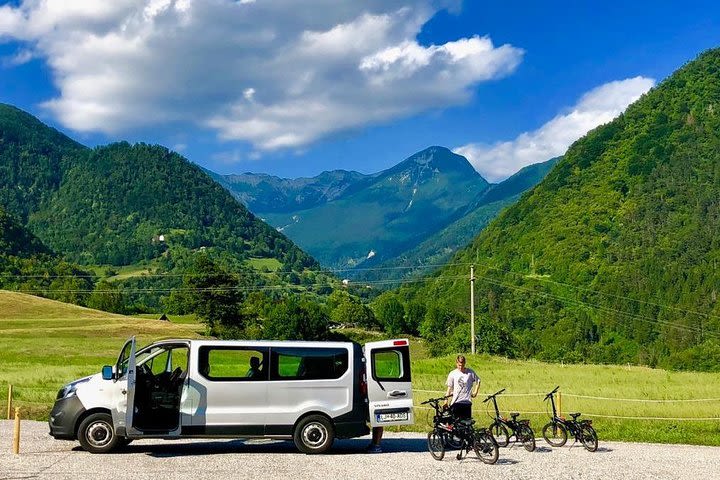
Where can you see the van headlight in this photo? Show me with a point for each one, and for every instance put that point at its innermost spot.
(70, 389)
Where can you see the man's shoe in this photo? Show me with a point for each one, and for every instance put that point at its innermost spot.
(374, 449)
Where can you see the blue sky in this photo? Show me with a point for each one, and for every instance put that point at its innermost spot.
(264, 86)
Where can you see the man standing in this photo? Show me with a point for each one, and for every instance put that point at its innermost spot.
(463, 383)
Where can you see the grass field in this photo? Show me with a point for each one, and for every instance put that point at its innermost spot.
(626, 392)
(269, 264)
(44, 344)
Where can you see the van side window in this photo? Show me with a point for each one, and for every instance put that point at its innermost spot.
(391, 364)
(233, 363)
(298, 363)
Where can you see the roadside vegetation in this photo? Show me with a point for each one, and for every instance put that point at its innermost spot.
(44, 344)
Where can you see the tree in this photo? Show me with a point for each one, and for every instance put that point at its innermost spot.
(296, 318)
(214, 294)
(108, 297)
(351, 311)
(390, 313)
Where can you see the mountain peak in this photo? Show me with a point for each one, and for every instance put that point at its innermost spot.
(437, 159)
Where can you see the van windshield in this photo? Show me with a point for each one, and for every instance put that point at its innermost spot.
(142, 356)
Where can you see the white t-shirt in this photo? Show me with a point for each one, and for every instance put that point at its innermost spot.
(462, 384)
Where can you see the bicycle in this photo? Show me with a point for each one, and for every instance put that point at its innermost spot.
(445, 426)
(520, 428)
(556, 431)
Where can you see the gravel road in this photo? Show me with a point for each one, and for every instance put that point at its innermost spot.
(405, 456)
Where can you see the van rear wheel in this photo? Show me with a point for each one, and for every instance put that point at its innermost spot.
(314, 434)
(96, 433)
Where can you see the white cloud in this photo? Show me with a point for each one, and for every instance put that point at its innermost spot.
(20, 58)
(275, 73)
(598, 106)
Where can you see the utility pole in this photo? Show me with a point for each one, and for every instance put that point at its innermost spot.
(472, 308)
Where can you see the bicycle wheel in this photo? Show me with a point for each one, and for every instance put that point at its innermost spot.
(555, 434)
(589, 438)
(527, 437)
(452, 442)
(436, 445)
(500, 433)
(485, 447)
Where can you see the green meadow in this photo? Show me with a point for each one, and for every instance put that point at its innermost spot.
(44, 344)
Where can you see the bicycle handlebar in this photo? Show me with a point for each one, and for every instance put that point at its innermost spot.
(552, 393)
(435, 400)
(493, 395)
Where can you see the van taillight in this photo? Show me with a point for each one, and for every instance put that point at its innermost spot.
(363, 382)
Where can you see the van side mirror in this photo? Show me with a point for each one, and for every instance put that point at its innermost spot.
(107, 372)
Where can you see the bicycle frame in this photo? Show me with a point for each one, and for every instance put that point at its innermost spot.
(513, 424)
(573, 427)
(446, 426)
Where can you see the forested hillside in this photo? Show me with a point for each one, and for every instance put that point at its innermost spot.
(33, 158)
(28, 265)
(138, 208)
(379, 216)
(110, 205)
(436, 250)
(116, 202)
(615, 256)
(15, 240)
(267, 193)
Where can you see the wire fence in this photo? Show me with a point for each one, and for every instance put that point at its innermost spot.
(603, 399)
(17, 401)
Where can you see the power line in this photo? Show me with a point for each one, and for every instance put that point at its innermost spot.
(633, 316)
(402, 281)
(170, 275)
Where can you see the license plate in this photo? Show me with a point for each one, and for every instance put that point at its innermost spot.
(391, 417)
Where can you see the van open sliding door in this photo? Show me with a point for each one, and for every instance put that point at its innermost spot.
(389, 387)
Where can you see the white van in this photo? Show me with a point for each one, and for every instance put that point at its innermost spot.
(311, 392)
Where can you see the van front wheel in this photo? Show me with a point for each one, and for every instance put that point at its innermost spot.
(96, 433)
(314, 434)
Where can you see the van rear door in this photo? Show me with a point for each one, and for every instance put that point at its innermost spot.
(388, 379)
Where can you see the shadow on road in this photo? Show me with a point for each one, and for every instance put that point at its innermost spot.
(263, 446)
(543, 449)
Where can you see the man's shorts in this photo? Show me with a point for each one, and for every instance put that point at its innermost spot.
(461, 410)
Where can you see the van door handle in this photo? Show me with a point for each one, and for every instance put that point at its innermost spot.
(397, 393)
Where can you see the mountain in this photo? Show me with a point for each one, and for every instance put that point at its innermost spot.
(267, 193)
(519, 182)
(381, 215)
(112, 204)
(33, 157)
(16, 241)
(442, 245)
(453, 204)
(615, 255)
(26, 264)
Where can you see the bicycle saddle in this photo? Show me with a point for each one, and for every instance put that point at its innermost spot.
(514, 415)
(574, 415)
(466, 422)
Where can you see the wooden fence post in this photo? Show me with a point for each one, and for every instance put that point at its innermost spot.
(9, 402)
(559, 404)
(16, 436)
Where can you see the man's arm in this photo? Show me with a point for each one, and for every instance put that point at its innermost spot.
(476, 387)
(449, 390)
